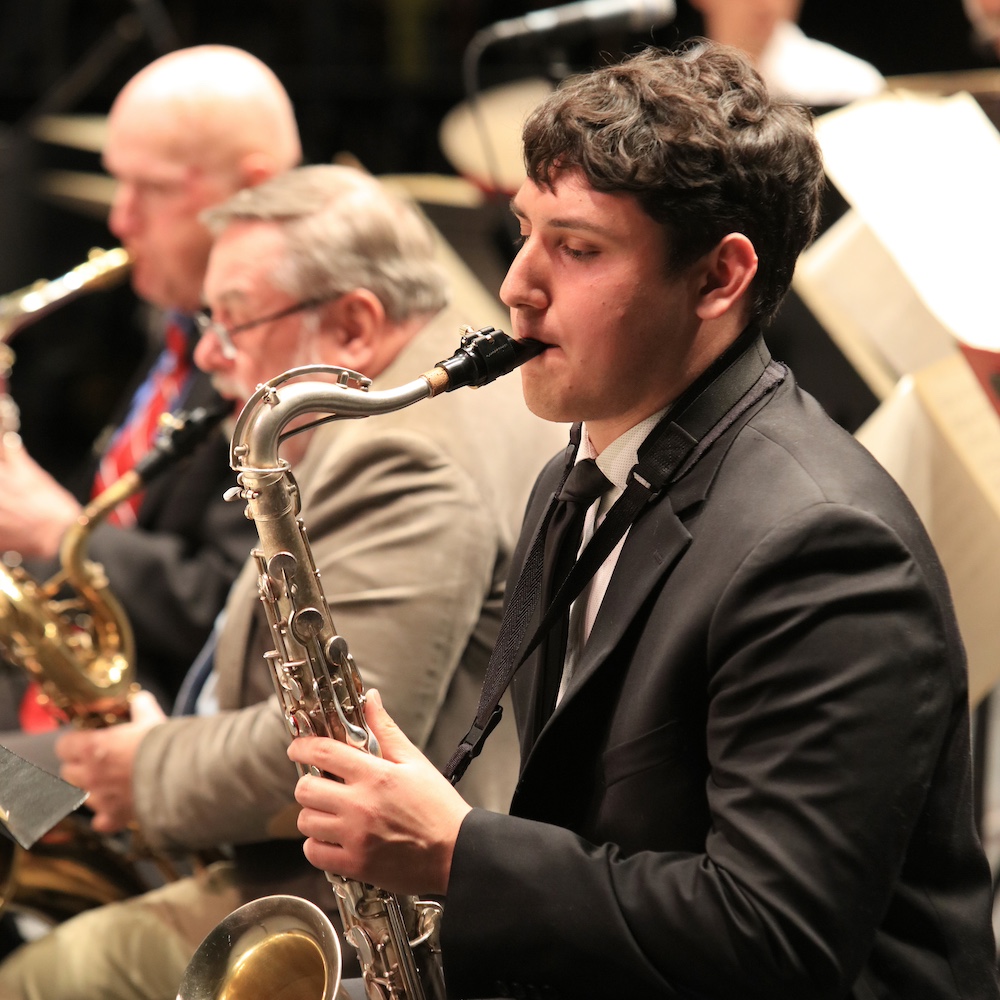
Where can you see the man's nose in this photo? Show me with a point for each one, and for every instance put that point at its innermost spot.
(523, 287)
(123, 217)
(209, 354)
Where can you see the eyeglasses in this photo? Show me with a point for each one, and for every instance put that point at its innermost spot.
(205, 324)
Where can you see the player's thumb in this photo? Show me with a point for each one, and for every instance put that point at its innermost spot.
(144, 709)
(393, 741)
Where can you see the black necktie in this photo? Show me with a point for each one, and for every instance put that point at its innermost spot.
(584, 485)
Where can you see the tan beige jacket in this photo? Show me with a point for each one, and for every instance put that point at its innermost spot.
(412, 517)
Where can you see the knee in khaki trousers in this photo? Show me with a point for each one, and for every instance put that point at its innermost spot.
(134, 950)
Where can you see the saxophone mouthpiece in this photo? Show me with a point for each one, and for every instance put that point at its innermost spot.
(179, 434)
(485, 355)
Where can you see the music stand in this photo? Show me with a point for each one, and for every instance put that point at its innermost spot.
(32, 801)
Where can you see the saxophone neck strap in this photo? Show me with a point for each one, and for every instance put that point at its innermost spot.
(738, 379)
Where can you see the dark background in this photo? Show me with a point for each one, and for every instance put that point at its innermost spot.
(369, 77)
(375, 76)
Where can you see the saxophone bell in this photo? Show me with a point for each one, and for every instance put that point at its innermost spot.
(275, 948)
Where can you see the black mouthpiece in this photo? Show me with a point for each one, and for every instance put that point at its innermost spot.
(179, 436)
(485, 355)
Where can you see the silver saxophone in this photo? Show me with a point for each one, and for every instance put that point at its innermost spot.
(321, 693)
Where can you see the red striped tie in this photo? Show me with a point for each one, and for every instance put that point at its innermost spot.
(158, 394)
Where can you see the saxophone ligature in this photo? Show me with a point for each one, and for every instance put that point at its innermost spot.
(320, 690)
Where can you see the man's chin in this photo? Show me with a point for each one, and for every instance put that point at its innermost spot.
(237, 395)
(146, 287)
(545, 404)
(142, 289)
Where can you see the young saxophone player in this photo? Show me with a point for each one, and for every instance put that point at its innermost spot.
(747, 773)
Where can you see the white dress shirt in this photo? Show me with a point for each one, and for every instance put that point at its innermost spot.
(616, 462)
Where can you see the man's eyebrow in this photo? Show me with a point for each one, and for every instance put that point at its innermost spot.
(231, 296)
(569, 222)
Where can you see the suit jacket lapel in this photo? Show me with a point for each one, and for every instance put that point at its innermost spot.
(653, 545)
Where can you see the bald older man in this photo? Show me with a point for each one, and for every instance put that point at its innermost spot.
(185, 133)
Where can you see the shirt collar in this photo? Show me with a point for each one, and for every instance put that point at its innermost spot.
(618, 458)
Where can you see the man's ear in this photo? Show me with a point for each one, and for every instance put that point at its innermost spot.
(353, 324)
(727, 272)
(255, 168)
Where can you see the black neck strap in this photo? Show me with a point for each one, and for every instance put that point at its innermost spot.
(739, 378)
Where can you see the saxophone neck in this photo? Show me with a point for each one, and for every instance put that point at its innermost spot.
(72, 549)
(179, 435)
(482, 356)
(102, 269)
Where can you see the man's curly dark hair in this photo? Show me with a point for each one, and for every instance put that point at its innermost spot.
(698, 140)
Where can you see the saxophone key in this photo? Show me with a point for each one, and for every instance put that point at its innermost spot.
(306, 623)
(291, 683)
(299, 723)
(281, 568)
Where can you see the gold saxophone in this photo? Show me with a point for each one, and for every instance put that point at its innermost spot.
(102, 269)
(72, 635)
(321, 693)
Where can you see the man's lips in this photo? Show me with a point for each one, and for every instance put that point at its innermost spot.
(522, 333)
(533, 347)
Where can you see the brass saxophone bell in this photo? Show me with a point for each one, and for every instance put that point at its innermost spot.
(275, 948)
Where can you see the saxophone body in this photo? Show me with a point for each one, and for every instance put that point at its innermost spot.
(317, 682)
(70, 632)
(72, 635)
(322, 694)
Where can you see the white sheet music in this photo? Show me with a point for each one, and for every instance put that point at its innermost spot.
(924, 174)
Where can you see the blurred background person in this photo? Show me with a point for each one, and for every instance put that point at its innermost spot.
(985, 18)
(186, 132)
(792, 65)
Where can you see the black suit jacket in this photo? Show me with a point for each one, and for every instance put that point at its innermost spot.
(758, 783)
